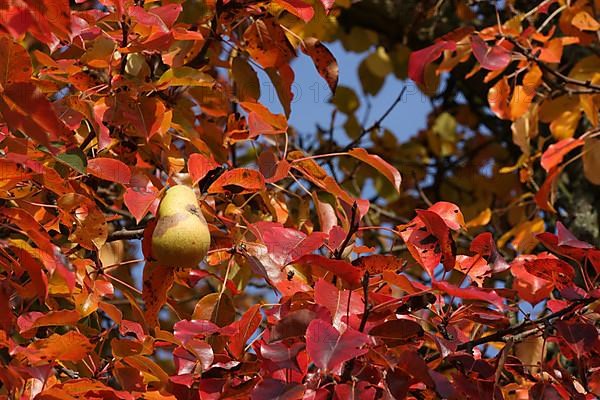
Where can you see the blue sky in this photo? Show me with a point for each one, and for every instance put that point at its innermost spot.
(311, 97)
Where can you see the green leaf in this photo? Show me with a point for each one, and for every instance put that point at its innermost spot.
(75, 159)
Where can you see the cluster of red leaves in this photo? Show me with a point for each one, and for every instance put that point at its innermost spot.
(118, 99)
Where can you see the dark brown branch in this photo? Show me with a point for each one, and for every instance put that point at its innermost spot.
(376, 124)
(126, 234)
(125, 29)
(513, 331)
(351, 231)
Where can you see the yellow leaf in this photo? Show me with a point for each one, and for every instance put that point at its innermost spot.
(523, 235)
(563, 114)
(483, 218)
(520, 101)
(591, 160)
(590, 104)
(585, 22)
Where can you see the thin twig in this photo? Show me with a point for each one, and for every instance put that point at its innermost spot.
(351, 231)
(376, 124)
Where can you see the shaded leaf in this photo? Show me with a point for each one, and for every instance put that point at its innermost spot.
(324, 61)
(157, 282)
(490, 57)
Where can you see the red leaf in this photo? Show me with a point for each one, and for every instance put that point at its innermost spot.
(109, 169)
(492, 58)
(299, 8)
(263, 265)
(397, 331)
(543, 198)
(470, 293)
(340, 303)
(244, 328)
(530, 288)
(361, 390)
(139, 201)
(553, 270)
(199, 165)
(438, 228)
(450, 213)
(419, 59)
(324, 61)
(286, 245)
(484, 245)
(277, 390)
(271, 167)
(390, 172)
(283, 355)
(25, 108)
(328, 349)
(556, 152)
(343, 269)
(579, 336)
(238, 181)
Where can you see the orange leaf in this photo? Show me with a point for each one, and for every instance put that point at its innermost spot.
(324, 61)
(35, 319)
(380, 165)
(520, 101)
(16, 64)
(109, 169)
(556, 152)
(267, 43)
(585, 22)
(498, 98)
(72, 346)
(199, 165)
(263, 121)
(158, 280)
(238, 180)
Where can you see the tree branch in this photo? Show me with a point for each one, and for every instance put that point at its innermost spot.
(126, 234)
(499, 336)
(563, 78)
(377, 123)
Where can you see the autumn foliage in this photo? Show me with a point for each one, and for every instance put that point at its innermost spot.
(343, 265)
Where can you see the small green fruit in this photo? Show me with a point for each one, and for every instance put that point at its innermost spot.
(181, 237)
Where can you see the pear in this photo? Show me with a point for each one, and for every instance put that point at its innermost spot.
(181, 237)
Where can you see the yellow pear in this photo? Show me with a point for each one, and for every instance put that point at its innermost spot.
(181, 237)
